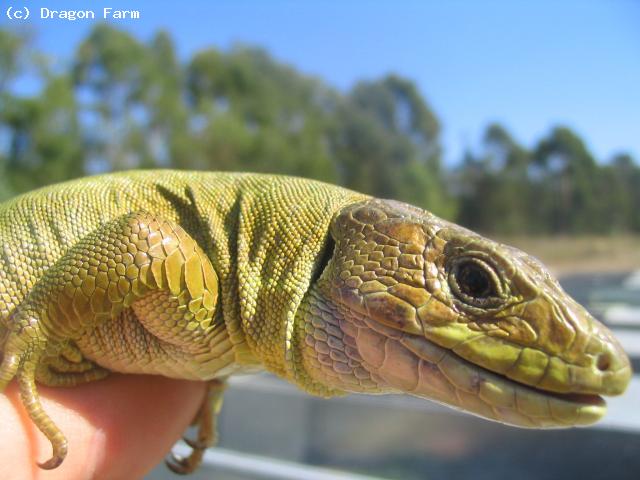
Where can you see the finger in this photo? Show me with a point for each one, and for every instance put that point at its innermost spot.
(120, 427)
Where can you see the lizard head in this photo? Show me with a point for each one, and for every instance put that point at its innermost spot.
(411, 303)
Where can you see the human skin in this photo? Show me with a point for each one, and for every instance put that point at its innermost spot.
(117, 428)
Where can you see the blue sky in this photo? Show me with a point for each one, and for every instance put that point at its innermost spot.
(530, 65)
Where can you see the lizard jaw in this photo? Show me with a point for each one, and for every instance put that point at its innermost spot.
(414, 365)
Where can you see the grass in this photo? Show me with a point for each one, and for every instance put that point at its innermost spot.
(566, 254)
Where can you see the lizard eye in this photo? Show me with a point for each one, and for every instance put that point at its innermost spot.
(474, 282)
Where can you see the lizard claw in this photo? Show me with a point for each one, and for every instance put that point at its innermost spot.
(54, 461)
(185, 465)
(195, 444)
(60, 446)
(176, 464)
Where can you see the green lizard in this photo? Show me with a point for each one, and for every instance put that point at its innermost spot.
(204, 275)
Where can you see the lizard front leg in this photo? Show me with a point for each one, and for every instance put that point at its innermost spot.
(95, 282)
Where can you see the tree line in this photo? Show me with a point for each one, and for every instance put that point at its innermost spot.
(122, 103)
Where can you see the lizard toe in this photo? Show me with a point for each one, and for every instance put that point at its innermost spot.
(185, 465)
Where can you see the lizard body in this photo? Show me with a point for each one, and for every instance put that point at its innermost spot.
(202, 275)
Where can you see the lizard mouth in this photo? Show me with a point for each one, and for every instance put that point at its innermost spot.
(446, 378)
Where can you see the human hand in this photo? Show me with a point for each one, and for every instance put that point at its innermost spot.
(119, 427)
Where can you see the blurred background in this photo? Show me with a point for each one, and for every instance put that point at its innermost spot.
(518, 120)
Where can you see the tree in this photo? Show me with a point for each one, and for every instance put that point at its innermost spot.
(252, 113)
(495, 192)
(43, 143)
(386, 142)
(619, 186)
(126, 103)
(111, 73)
(166, 134)
(565, 183)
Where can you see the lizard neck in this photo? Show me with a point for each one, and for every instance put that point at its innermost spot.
(281, 234)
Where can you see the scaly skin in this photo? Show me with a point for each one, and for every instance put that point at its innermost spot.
(202, 275)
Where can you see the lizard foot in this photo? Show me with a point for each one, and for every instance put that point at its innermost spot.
(205, 420)
(21, 359)
(58, 373)
(68, 369)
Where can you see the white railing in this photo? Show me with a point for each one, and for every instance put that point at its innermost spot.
(220, 460)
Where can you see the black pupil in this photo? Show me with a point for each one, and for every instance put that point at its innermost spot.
(473, 280)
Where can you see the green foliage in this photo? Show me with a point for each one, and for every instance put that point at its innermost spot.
(251, 113)
(40, 135)
(496, 193)
(386, 141)
(12, 56)
(124, 103)
(557, 187)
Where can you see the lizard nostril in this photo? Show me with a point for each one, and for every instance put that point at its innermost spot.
(603, 362)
